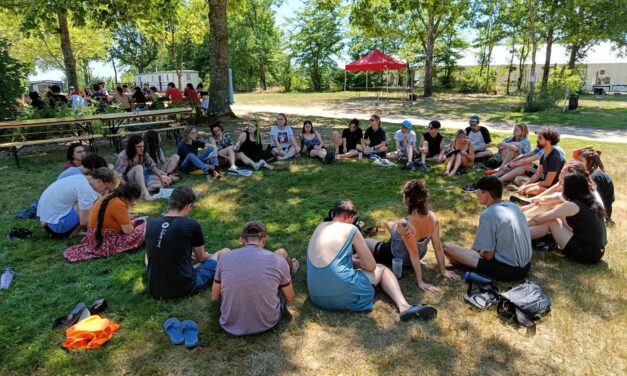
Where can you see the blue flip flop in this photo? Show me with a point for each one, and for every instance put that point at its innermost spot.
(190, 333)
(172, 327)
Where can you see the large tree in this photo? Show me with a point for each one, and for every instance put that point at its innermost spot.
(219, 59)
(316, 37)
(133, 47)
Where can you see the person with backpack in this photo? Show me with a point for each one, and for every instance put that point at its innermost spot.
(502, 248)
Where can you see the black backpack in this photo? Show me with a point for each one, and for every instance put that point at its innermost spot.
(524, 304)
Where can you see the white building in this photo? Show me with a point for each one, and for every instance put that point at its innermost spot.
(161, 79)
(602, 66)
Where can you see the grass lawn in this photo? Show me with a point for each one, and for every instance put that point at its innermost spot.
(608, 112)
(585, 333)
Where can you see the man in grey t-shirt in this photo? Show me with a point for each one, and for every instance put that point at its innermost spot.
(253, 284)
(502, 248)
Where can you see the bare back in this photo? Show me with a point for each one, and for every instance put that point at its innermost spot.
(326, 241)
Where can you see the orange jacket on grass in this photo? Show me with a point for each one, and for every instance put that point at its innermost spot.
(89, 333)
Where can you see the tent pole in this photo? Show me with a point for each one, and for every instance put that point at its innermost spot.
(345, 80)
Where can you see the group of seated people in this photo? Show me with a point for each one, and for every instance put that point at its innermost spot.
(137, 99)
(567, 201)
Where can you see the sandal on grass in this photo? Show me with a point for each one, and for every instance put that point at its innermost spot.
(20, 233)
(189, 330)
(79, 313)
(172, 327)
(419, 312)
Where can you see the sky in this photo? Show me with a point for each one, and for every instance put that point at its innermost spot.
(598, 55)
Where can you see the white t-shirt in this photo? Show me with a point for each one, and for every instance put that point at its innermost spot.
(60, 196)
(476, 138)
(400, 137)
(284, 137)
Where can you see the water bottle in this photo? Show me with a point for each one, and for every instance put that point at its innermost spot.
(470, 276)
(6, 278)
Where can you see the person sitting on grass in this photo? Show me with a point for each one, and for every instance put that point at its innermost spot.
(432, 144)
(90, 163)
(551, 163)
(253, 284)
(461, 154)
(591, 160)
(480, 138)
(189, 159)
(311, 142)
(173, 243)
(74, 156)
(512, 146)
(137, 167)
(405, 140)
(339, 282)
(578, 225)
(153, 148)
(410, 236)
(224, 144)
(249, 148)
(283, 143)
(376, 137)
(64, 206)
(110, 229)
(502, 248)
(553, 196)
(349, 145)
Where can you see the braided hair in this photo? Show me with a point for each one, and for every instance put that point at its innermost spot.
(128, 192)
(593, 160)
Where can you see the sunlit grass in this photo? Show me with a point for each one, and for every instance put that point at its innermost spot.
(583, 335)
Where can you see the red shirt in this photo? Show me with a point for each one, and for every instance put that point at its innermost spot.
(191, 94)
(175, 95)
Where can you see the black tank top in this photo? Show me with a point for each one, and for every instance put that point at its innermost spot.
(588, 227)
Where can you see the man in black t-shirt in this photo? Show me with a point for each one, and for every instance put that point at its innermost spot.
(349, 145)
(551, 164)
(377, 138)
(170, 241)
(431, 144)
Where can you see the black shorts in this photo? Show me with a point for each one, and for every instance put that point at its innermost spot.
(577, 251)
(500, 271)
(383, 253)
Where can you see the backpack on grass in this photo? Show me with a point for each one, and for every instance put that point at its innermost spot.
(524, 304)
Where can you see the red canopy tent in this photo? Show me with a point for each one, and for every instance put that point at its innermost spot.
(374, 62)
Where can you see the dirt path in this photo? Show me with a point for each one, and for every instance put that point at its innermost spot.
(616, 136)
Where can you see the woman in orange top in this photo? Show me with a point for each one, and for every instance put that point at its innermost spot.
(110, 229)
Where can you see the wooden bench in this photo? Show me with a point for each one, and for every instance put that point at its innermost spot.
(174, 131)
(16, 146)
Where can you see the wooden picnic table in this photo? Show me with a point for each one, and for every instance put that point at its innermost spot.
(117, 120)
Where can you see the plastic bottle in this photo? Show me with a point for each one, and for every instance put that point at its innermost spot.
(6, 278)
(470, 276)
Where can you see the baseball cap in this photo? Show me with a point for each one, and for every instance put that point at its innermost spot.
(407, 124)
(474, 119)
(254, 228)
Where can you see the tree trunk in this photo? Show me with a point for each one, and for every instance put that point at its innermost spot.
(115, 71)
(428, 91)
(547, 60)
(262, 76)
(66, 48)
(573, 57)
(510, 67)
(219, 59)
(534, 48)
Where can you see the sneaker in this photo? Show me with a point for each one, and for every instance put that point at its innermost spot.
(330, 158)
(412, 167)
(470, 188)
(519, 200)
